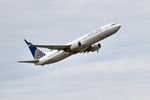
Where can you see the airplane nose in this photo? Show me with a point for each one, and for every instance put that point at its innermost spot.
(119, 25)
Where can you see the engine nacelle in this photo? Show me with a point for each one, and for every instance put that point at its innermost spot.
(76, 46)
(94, 47)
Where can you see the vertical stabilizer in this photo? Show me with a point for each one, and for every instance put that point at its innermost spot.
(37, 54)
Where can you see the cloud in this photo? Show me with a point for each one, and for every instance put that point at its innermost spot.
(122, 78)
(119, 71)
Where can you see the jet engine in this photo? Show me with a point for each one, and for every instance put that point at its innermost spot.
(76, 46)
(94, 47)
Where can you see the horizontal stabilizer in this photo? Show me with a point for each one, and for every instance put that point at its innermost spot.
(54, 47)
(29, 61)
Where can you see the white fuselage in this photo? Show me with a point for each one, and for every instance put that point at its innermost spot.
(85, 41)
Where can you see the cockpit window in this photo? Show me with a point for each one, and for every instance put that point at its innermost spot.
(113, 24)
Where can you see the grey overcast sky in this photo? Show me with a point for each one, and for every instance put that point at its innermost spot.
(120, 71)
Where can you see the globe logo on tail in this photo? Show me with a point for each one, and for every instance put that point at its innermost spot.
(38, 54)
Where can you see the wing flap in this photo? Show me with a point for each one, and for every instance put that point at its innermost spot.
(29, 61)
(54, 47)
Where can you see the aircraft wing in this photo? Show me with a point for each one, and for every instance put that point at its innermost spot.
(29, 61)
(55, 47)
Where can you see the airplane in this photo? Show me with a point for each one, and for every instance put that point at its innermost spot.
(86, 43)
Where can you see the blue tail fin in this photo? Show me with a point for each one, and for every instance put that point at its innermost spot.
(37, 54)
